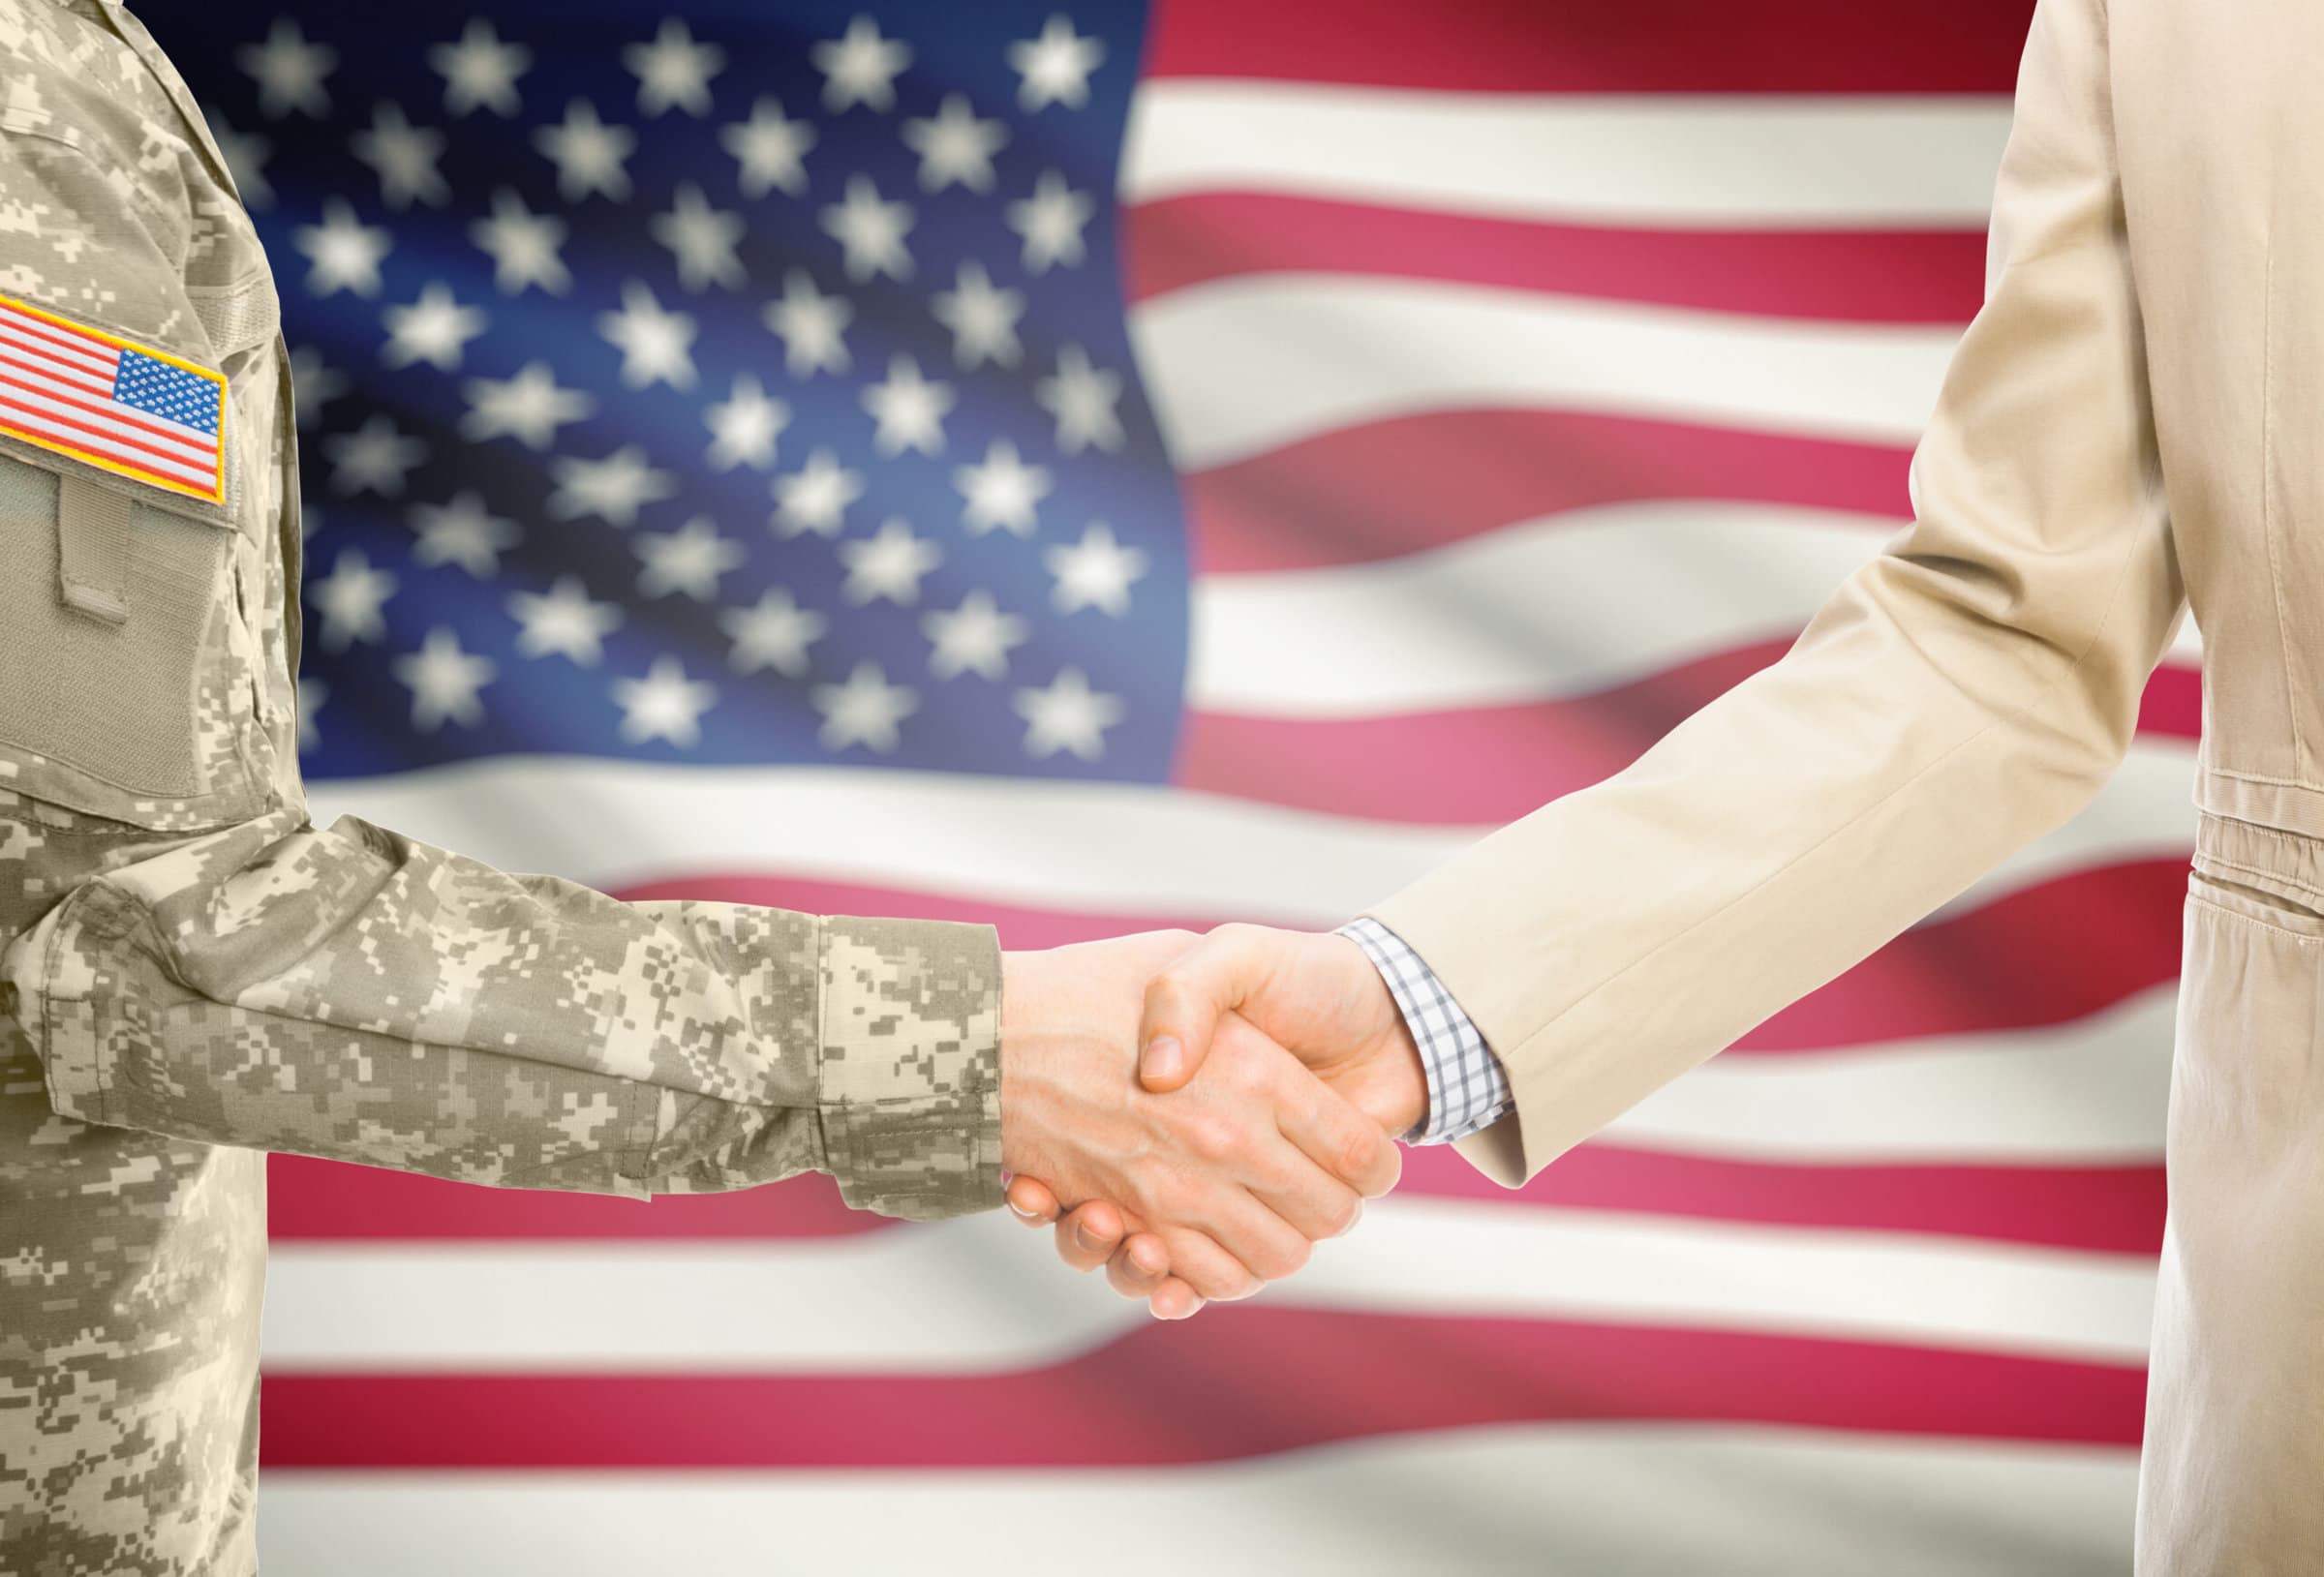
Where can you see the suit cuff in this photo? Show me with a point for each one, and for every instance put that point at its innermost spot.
(1467, 1087)
(910, 1065)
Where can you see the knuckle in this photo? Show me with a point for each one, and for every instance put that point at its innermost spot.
(1212, 1137)
(1348, 1212)
(1354, 1155)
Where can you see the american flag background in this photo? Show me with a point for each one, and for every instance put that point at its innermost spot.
(1096, 466)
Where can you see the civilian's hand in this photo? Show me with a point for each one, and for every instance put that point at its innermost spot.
(1229, 1182)
(1316, 994)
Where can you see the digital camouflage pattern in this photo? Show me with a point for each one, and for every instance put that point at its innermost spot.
(195, 975)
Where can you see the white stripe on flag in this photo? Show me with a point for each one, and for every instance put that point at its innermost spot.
(1695, 161)
(1240, 366)
(2089, 1092)
(1613, 1499)
(677, 1307)
(1086, 847)
(1542, 611)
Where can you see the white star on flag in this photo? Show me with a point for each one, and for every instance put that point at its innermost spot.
(405, 156)
(860, 66)
(349, 601)
(703, 240)
(1002, 491)
(529, 408)
(344, 254)
(445, 682)
(1051, 222)
(974, 638)
(290, 71)
(770, 149)
(774, 633)
(480, 71)
(463, 533)
(908, 408)
(1067, 715)
(1055, 67)
(865, 711)
(246, 154)
(871, 232)
(523, 246)
(590, 155)
(373, 458)
(745, 426)
(982, 318)
(811, 326)
(563, 623)
(1081, 398)
(674, 72)
(314, 384)
(613, 489)
(664, 704)
(890, 565)
(656, 344)
(955, 146)
(1095, 572)
(688, 559)
(434, 329)
(815, 497)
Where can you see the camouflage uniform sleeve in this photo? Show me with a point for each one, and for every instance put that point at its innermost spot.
(351, 993)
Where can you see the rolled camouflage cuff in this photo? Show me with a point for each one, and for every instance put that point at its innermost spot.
(910, 1077)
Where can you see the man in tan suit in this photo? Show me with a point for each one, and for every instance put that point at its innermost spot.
(2132, 421)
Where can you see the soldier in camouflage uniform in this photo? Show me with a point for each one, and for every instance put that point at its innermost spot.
(194, 974)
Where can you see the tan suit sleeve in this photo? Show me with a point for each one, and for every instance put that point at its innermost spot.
(1964, 692)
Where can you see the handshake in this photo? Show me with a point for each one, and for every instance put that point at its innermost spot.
(1195, 1113)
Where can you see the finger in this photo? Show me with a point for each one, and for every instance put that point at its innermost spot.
(1287, 1184)
(1033, 1202)
(1183, 1001)
(1210, 1271)
(1245, 1230)
(1140, 1266)
(1089, 1236)
(1174, 1299)
(1336, 1136)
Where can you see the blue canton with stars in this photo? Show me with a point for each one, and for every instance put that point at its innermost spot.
(155, 386)
(742, 384)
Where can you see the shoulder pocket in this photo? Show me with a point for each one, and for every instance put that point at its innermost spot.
(126, 689)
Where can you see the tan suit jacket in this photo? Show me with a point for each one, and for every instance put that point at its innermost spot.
(2133, 421)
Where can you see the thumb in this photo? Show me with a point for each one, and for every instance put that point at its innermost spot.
(1183, 1003)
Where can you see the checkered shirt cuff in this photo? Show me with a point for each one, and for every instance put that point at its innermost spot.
(1467, 1088)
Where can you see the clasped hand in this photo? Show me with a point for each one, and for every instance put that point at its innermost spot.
(1192, 1188)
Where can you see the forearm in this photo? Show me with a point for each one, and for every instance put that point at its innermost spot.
(354, 994)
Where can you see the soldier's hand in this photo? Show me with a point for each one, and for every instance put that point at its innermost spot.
(1233, 1179)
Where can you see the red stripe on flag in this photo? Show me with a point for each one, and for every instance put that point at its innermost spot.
(1488, 765)
(1636, 46)
(1381, 490)
(1169, 1395)
(2101, 1209)
(312, 1201)
(2021, 949)
(2024, 950)
(1914, 277)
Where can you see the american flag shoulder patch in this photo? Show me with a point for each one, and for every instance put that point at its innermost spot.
(126, 408)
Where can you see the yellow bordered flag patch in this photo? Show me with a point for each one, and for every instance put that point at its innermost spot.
(134, 411)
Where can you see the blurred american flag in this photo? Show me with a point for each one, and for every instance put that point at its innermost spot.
(1091, 467)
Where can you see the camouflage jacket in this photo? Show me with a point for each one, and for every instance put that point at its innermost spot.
(219, 969)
